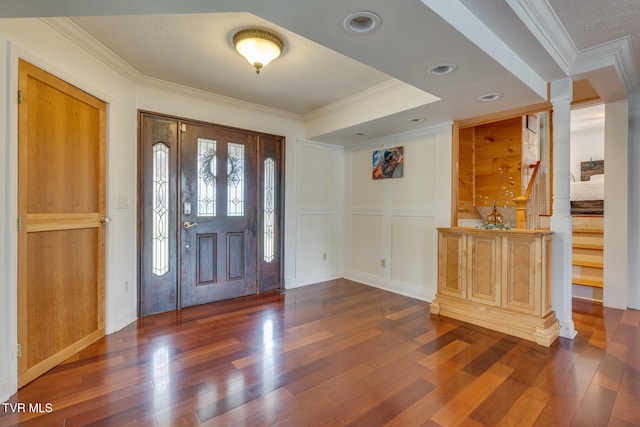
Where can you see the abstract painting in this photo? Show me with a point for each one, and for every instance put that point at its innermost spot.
(388, 163)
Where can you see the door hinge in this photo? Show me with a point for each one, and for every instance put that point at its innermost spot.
(183, 127)
(19, 97)
(19, 223)
(19, 350)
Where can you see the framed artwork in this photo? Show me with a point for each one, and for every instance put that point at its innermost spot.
(388, 163)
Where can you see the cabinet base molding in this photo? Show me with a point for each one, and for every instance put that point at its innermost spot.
(541, 330)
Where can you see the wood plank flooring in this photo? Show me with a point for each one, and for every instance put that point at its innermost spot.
(339, 353)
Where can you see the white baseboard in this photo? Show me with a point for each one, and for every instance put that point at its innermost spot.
(411, 290)
(310, 279)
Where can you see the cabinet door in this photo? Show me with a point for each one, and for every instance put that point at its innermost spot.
(522, 274)
(485, 269)
(452, 261)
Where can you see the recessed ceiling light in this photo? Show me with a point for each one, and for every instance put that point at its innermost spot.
(489, 97)
(361, 22)
(442, 69)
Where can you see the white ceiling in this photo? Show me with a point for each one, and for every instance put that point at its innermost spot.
(513, 47)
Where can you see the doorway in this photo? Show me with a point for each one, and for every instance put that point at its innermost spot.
(210, 214)
(61, 210)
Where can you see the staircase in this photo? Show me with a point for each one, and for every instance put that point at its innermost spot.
(588, 250)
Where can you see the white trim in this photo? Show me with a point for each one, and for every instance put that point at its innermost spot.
(544, 24)
(396, 286)
(393, 140)
(383, 89)
(311, 279)
(469, 25)
(616, 53)
(542, 21)
(328, 211)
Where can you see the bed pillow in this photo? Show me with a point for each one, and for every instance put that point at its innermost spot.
(597, 178)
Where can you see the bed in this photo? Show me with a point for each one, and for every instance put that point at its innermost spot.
(587, 195)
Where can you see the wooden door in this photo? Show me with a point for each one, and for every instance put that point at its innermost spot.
(61, 206)
(218, 212)
(210, 213)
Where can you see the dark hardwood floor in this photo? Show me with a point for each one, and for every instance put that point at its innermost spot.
(340, 353)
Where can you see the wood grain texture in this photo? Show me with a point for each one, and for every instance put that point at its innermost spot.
(341, 353)
(61, 198)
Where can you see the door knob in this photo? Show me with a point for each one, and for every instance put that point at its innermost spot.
(188, 224)
(105, 219)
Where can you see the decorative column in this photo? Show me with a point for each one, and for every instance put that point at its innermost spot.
(633, 191)
(561, 222)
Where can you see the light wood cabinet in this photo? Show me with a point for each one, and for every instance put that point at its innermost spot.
(498, 279)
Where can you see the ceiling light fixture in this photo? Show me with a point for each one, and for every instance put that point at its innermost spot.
(442, 69)
(259, 47)
(489, 97)
(361, 22)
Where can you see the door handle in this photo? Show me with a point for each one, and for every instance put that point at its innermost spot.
(188, 224)
(105, 219)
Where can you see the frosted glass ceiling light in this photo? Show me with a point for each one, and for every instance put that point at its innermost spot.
(259, 47)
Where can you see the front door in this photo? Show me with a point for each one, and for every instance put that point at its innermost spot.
(61, 208)
(210, 213)
(218, 214)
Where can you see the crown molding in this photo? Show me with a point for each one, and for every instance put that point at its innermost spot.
(388, 87)
(392, 140)
(616, 53)
(90, 45)
(544, 24)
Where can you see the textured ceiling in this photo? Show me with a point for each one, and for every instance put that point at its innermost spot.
(594, 22)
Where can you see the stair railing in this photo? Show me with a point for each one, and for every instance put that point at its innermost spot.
(534, 201)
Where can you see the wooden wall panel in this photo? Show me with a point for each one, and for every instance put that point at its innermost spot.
(466, 207)
(485, 270)
(452, 262)
(520, 285)
(497, 146)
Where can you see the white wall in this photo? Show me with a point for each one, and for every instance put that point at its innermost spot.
(616, 205)
(390, 227)
(319, 242)
(633, 195)
(587, 136)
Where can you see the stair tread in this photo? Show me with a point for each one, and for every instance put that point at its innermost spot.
(587, 282)
(595, 264)
(588, 231)
(587, 246)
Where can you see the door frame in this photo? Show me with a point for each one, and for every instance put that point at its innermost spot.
(280, 179)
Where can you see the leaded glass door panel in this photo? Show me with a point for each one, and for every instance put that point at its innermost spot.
(218, 214)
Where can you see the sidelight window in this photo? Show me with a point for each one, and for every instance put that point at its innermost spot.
(160, 220)
(269, 209)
